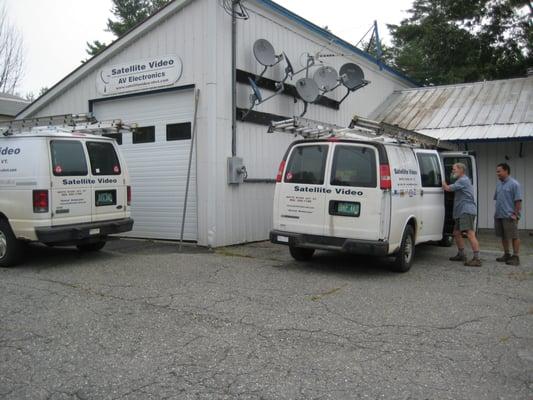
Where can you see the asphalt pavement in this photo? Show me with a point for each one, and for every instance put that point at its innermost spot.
(139, 320)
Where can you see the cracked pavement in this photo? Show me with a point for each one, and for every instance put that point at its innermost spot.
(139, 320)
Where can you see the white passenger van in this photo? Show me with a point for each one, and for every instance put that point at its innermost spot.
(363, 194)
(60, 188)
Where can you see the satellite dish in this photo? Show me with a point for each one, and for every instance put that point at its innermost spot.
(264, 53)
(326, 78)
(255, 97)
(307, 89)
(352, 76)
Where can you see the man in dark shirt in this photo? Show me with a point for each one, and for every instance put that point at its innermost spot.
(464, 215)
(508, 198)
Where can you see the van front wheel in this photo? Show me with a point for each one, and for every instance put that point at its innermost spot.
(301, 253)
(92, 246)
(10, 253)
(405, 256)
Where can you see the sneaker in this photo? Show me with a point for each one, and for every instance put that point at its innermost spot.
(474, 262)
(513, 260)
(504, 258)
(458, 257)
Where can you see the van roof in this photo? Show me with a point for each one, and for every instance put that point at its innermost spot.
(56, 133)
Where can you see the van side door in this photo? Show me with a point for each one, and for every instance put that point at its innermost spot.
(431, 217)
(71, 183)
(448, 159)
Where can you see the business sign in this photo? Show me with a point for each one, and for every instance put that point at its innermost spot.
(139, 75)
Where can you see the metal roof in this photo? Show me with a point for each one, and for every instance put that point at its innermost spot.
(487, 111)
(11, 105)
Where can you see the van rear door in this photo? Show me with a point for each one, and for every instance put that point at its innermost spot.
(354, 200)
(71, 184)
(448, 159)
(300, 196)
(108, 194)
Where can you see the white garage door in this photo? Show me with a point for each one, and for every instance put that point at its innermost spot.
(157, 157)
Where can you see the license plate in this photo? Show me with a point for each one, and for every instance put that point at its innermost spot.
(345, 208)
(283, 239)
(106, 197)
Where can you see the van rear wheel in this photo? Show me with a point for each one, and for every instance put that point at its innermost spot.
(91, 246)
(301, 253)
(10, 253)
(405, 256)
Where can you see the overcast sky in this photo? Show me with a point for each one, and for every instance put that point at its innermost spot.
(55, 31)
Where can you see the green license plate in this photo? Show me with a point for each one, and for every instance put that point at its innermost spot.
(347, 209)
(106, 197)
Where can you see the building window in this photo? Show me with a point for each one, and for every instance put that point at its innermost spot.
(116, 136)
(179, 131)
(145, 134)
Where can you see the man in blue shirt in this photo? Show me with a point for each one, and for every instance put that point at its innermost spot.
(508, 198)
(464, 214)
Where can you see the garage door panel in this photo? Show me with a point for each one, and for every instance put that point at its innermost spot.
(158, 170)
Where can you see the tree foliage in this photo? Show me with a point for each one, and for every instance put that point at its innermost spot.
(11, 55)
(127, 13)
(456, 41)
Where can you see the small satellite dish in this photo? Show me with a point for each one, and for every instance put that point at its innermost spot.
(352, 76)
(264, 53)
(255, 97)
(307, 89)
(326, 78)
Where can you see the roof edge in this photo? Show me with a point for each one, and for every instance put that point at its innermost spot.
(333, 38)
(113, 48)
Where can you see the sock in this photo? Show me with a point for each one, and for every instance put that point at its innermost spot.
(461, 252)
(476, 255)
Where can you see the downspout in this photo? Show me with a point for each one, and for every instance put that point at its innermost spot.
(234, 78)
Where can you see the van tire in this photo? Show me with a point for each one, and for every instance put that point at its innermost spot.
(406, 254)
(91, 246)
(301, 253)
(10, 247)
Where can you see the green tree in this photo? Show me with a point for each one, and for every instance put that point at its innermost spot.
(456, 41)
(127, 13)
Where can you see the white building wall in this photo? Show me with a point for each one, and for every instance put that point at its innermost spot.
(488, 156)
(200, 34)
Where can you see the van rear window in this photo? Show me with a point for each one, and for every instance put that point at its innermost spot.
(307, 165)
(354, 166)
(104, 160)
(68, 158)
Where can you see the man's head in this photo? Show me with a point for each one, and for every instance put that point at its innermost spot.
(502, 171)
(458, 170)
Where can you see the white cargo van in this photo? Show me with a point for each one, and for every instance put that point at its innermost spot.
(362, 194)
(61, 188)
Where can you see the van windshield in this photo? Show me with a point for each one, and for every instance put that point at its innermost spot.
(104, 160)
(307, 165)
(354, 166)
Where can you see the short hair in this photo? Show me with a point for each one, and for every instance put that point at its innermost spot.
(505, 167)
(461, 166)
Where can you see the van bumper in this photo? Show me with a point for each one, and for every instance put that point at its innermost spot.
(76, 233)
(355, 246)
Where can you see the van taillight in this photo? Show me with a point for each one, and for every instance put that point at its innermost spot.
(129, 195)
(279, 176)
(385, 181)
(40, 201)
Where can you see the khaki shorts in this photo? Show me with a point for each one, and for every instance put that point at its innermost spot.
(464, 223)
(506, 228)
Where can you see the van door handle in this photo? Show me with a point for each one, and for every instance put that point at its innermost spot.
(421, 192)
